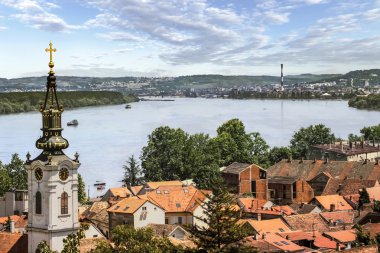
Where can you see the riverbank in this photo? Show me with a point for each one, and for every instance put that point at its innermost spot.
(16, 102)
(371, 102)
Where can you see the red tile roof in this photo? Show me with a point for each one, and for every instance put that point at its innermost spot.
(251, 204)
(306, 222)
(323, 242)
(13, 243)
(265, 226)
(339, 217)
(282, 243)
(372, 228)
(343, 236)
(337, 200)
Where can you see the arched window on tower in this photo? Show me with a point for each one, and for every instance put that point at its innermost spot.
(38, 203)
(64, 203)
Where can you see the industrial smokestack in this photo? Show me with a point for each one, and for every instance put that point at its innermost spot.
(282, 77)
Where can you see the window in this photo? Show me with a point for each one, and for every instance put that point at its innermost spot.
(144, 208)
(178, 205)
(64, 203)
(38, 203)
(179, 220)
(19, 196)
(166, 220)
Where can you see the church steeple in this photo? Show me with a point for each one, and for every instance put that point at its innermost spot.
(51, 142)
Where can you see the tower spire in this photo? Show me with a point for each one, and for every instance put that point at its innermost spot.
(51, 142)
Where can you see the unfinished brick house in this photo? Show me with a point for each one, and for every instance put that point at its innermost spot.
(243, 178)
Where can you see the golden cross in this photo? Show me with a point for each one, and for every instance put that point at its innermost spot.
(51, 50)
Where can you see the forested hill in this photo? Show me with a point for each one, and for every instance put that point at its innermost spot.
(358, 76)
(14, 102)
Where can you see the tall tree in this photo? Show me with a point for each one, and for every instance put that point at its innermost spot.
(201, 158)
(82, 196)
(221, 217)
(276, 154)
(17, 173)
(5, 180)
(162, 158)
(312, 135)
(235, 145)
(43, 247)
(132, 172)
(71, 244)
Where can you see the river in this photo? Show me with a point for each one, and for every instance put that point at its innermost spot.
(108, 135)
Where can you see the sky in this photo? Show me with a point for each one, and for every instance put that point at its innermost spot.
(185, 37)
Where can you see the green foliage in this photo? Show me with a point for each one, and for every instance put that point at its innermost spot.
(71, 244)
(5, 180)
(276, 154)
(363, 197)
(82, 198)
(141, 240)
(43, 247)
(221, 216)
(376, 206)
(162, 158)
(235, 145)
(14, 102)
(362, 236)
(17, 173)
(312, 135)
(377, 238)
(371, 102)
(132, 173)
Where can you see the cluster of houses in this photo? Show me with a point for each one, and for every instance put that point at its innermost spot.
(293, 206)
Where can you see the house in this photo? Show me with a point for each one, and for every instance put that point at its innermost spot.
(115, 194)
(243, 178)
(97, 214)
(150, 186)
(18, 223)
(303, 208)
(345, 237)
(344, 218)
(136, 212)
(345, 151)
(306, 222)
(170, 230)
(93, 232)
(286, 190)
(260, 227)
(14, 202)
(181, 203)
(308, 169)
(249, 205)
(271, 242)
(13, 242)
(331, 203)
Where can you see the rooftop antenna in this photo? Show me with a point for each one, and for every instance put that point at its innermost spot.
(282, 77)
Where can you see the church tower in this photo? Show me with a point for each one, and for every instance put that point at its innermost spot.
(52, 177)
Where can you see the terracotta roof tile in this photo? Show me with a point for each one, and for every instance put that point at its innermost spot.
(4, 220)
(372, 228)
(260, 245)
(177, 198)
(337, 200)
(308, 169)
(306, 222)
(297, 235)
(251, 204)
(136, 189)
(374, 193)
(283, 209)
(265, 226)
(129, 205)
(346, 186)
(282, 243)
(155, 185)
(13, 243)
(95, 208)
(323, 242)
(340, 217)
(88, 244)
(165, 229)
(302, 208)
(236, 168)
(343, 236)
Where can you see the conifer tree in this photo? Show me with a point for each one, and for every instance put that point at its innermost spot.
(132, 172)
(82, 198)
(221, 217)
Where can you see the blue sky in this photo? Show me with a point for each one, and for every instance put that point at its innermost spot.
(185, 37)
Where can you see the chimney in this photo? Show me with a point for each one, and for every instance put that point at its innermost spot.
(289, 158)
(326, 159)
(259, 216)
(315, 160)
(263, 236)
(282, 77)
(362, 144)
(332, 207)
(301, 161)
(12, 226)
(341, 146)
(339, 189)
(350, 144)
(376, 161)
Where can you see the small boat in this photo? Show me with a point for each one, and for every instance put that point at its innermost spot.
(128, 106)
(73, 123)
(100, 185)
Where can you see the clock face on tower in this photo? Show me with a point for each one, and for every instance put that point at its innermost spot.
(38, 174)
(63, 174)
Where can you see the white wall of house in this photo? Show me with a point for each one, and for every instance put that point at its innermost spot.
(178, 233)
(9, 205)
(148, 213)
(179, 218)
(199, 212)
(93, 232)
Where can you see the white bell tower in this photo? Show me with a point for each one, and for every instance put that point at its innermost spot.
(52, 178)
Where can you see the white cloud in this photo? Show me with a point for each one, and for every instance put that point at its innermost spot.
(36, 14)
(2, 28)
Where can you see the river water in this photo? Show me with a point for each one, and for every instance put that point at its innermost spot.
(108, 135)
